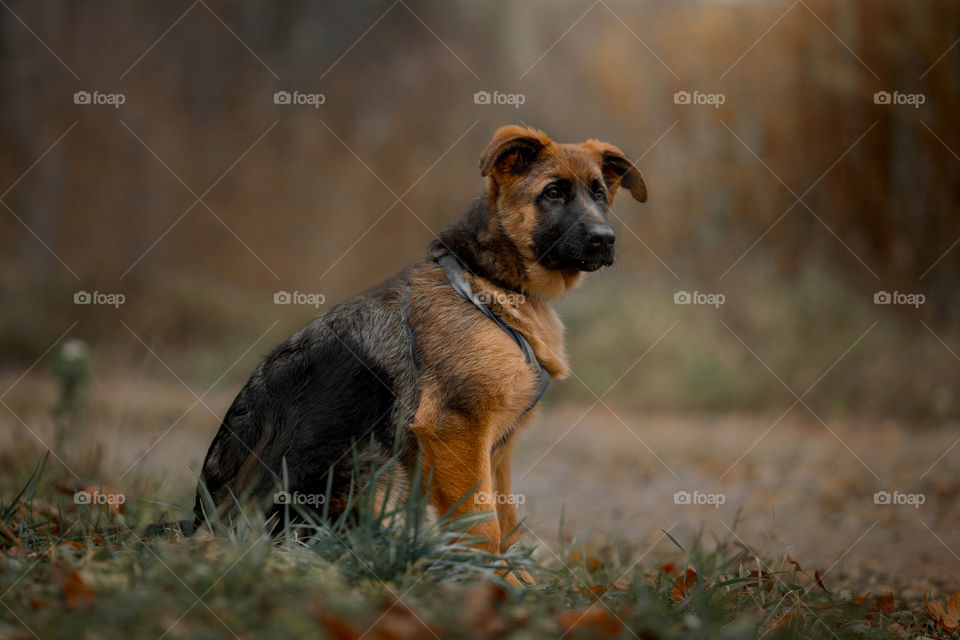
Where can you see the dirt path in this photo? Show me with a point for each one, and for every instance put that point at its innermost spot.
(804, 488)
(801, 487)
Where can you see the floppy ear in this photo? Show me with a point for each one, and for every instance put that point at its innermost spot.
(512, 150)
(617, 169)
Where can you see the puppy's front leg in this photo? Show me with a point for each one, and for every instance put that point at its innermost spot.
(456, 455)
(506, 507)
(455, 460)
(501, 460)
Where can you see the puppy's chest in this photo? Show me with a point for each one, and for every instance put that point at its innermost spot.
(478, 364)
(539, 325)
(475, 365)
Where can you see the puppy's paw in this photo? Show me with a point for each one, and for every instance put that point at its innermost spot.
(518, 578)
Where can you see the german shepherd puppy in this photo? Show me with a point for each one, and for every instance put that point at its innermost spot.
(443, 361)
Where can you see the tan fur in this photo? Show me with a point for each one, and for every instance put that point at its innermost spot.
(475, 384)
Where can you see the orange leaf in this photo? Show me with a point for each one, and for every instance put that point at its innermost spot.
(885, 603)
(73, 544)
(946, 618)
(76, 591)
(795, 564)
(785, 620)
(953, 606)
(764, 580)
(685, 584)
(597, 590)
(594, 617)
(336, 628)
(591, 561)
(816, 576)
(5, 532)
(114, 499)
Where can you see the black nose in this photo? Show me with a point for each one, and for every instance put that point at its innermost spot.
(602, 237)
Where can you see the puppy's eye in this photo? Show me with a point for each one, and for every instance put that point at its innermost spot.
(599, 195)
(553, 193)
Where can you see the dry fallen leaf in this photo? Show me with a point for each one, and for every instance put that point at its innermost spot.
(597, 590)
(953, 605)
(590, 561)
(885, 603)
(947, 618)
(816, 576)
(785, 620)
(936, 611)
(115, 500)
(6, 533)
(595, 617)
(685, 584)
(795, 564)
(339, 629)
(336, 628)
(764, 580)
(76, 590)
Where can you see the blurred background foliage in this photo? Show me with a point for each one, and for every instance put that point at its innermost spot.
(294, 187)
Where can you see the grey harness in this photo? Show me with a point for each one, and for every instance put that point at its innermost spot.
(454, 270)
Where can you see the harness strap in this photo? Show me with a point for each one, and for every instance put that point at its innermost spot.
(458, 280)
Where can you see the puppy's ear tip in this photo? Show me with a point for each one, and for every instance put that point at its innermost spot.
(639, 191)
(617, 168)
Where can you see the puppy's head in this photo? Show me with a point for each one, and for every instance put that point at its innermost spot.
(552, 199)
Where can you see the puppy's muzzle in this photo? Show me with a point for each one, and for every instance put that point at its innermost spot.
(600, 239)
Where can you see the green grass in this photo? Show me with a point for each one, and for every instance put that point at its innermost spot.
(72, 571)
